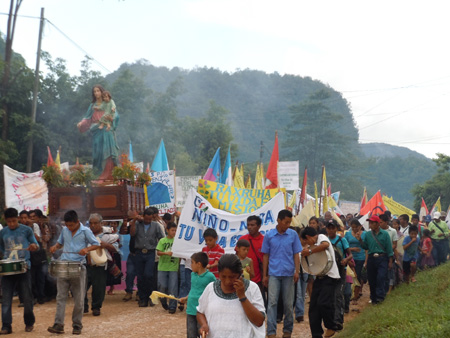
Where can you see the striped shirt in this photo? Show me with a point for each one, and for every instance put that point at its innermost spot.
(214, 255)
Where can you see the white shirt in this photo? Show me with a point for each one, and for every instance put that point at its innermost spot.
(226, 317)
(392, 233)
(334, 272)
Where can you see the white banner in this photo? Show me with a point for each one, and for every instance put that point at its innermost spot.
(198, 215)
(25, 191)
(161, 191)
(184, 185)
(288, 175)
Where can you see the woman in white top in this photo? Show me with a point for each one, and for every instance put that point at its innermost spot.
(231, 306)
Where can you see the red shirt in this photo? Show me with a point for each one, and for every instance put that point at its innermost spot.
(214, 255)
(257, 244)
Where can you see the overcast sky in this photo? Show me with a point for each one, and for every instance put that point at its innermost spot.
(390, 59)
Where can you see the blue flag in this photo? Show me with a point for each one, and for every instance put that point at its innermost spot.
(130, 155)
(213, 172)
(160, 162)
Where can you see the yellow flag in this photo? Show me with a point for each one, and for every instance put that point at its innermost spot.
(238, 179)
(248, 184)
(317, 200)
(58, 160)
(291, 203)
(437, 204)
(323, 191)
(259, 177)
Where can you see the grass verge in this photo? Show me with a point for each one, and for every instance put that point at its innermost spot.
(420, 309)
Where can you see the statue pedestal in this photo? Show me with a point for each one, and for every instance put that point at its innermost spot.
(112, 202)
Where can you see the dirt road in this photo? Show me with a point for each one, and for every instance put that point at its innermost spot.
(125, 319)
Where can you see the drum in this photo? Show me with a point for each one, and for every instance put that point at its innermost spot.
(317, 264)
(12, 267)
(65, 269)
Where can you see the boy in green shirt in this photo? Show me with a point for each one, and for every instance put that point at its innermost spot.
(168, 268)
(200, 278)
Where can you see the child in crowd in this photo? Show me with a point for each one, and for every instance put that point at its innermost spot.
(200, 278)
(242, 247)
(426, 249)
(109, 107)
(410, 247)
(74, 237)
(168, 268)
(213, 250)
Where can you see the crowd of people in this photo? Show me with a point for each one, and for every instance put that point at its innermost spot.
(256, 288)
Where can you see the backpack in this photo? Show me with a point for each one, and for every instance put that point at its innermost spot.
(339, 257)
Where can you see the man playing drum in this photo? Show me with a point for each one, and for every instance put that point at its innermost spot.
(76, 241)
(16, 242)
(322, 304)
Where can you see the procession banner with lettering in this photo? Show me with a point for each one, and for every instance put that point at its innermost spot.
(25, 191)
(288, 174)
(235, 200)
(161, 192)
(198, 215)
(184, 185)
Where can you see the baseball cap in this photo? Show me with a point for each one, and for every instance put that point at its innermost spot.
(374, 218)
(437, 215)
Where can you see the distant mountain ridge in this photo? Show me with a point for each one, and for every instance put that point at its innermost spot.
(382, 150)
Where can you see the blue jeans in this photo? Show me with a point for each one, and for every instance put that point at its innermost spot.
(275, 286)
(185, 281)
(439, 250)
(377, 274)
(300, 295)
(168, 284)
(131, 273)
(144, 264)
(23, 281)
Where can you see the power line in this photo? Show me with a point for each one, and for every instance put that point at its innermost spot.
(68, 38)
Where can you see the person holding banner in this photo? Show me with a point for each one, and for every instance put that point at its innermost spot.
(281, 268)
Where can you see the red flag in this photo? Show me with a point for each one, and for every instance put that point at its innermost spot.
(148, 168)
(423, 210)
(303, 193)
(375, 206)
(363, 200)
(272, 170)
(329, 190)
(49, 158)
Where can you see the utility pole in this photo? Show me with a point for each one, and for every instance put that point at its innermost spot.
(35, 93)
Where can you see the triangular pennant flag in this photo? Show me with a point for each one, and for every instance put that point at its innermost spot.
(375, 206)
(213, 173)
(49, 158)
(227, 176)
(423, 210)
(317, 200)
(130, 153)
(363, 199)
(160, 162)
(272, 170)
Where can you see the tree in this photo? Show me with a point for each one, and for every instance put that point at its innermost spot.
(438, 185)
(316, 136)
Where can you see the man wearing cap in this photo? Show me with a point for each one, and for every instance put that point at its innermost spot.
(379, 246)
(439, 237)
